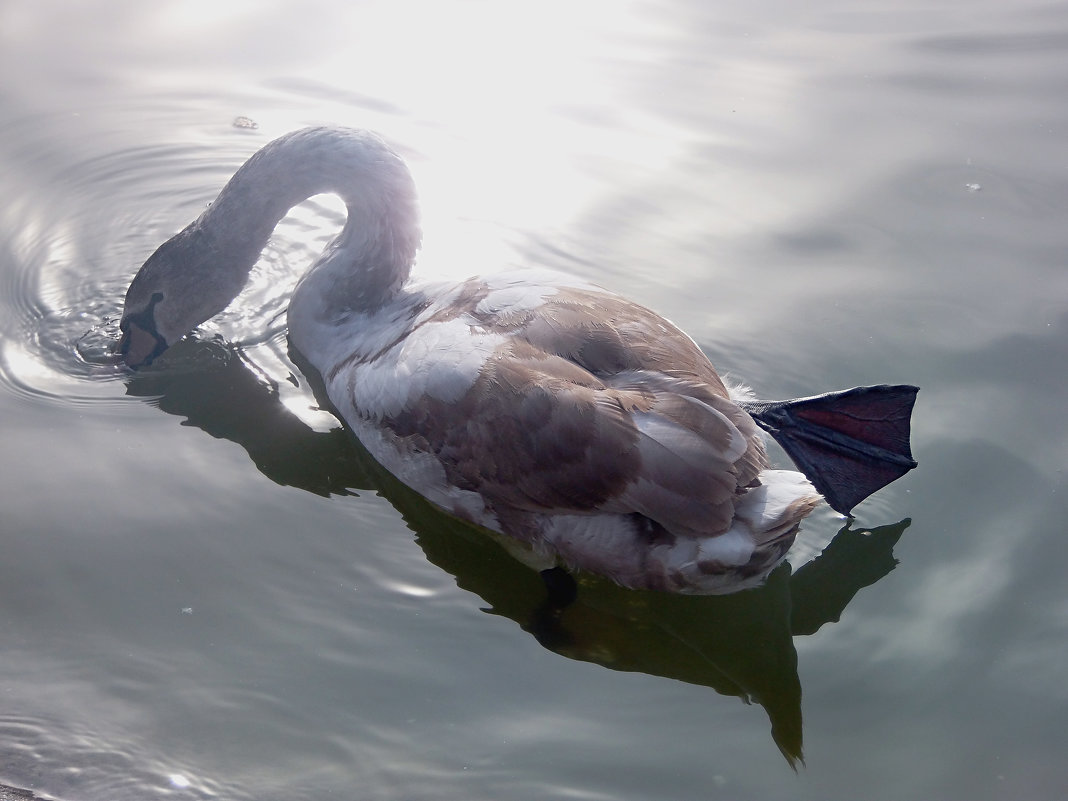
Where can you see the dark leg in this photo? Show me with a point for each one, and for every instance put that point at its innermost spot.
(848, 444)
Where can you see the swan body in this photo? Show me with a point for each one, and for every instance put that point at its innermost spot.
(578, 424)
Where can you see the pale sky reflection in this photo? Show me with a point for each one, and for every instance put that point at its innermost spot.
(500, 107)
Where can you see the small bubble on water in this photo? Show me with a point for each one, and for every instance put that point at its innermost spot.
(973, 187)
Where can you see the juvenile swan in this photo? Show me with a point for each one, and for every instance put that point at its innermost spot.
(531, 403)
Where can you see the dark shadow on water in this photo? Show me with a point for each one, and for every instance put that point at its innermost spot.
(739, 645)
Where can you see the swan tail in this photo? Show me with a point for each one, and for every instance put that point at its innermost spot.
(849, 444)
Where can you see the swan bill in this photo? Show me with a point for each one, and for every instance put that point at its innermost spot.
(140, 347)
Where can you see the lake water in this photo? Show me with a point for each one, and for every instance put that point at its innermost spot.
(208, 591)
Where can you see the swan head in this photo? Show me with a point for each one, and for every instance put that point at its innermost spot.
(178, 288)
(141, 341)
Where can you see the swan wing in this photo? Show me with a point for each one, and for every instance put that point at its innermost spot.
(538, 433)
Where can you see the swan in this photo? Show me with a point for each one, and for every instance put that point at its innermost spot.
(583, 428)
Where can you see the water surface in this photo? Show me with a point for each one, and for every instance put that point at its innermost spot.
(208, 591)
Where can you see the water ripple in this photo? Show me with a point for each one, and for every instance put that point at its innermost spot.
(68, 761)
(75, 235)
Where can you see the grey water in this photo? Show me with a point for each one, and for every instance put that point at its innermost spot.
(207, 590)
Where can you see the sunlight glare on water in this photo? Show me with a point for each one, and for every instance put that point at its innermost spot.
(506, 120)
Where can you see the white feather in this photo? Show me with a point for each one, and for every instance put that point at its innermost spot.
(439, 360)
(764, 508)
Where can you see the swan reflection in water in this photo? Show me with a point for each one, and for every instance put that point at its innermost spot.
(740, 645)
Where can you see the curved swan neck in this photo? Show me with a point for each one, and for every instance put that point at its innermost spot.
(372, 256)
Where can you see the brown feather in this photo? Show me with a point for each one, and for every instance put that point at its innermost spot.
(575, 415)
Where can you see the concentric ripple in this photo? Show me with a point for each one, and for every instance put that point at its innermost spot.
(72, 242)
